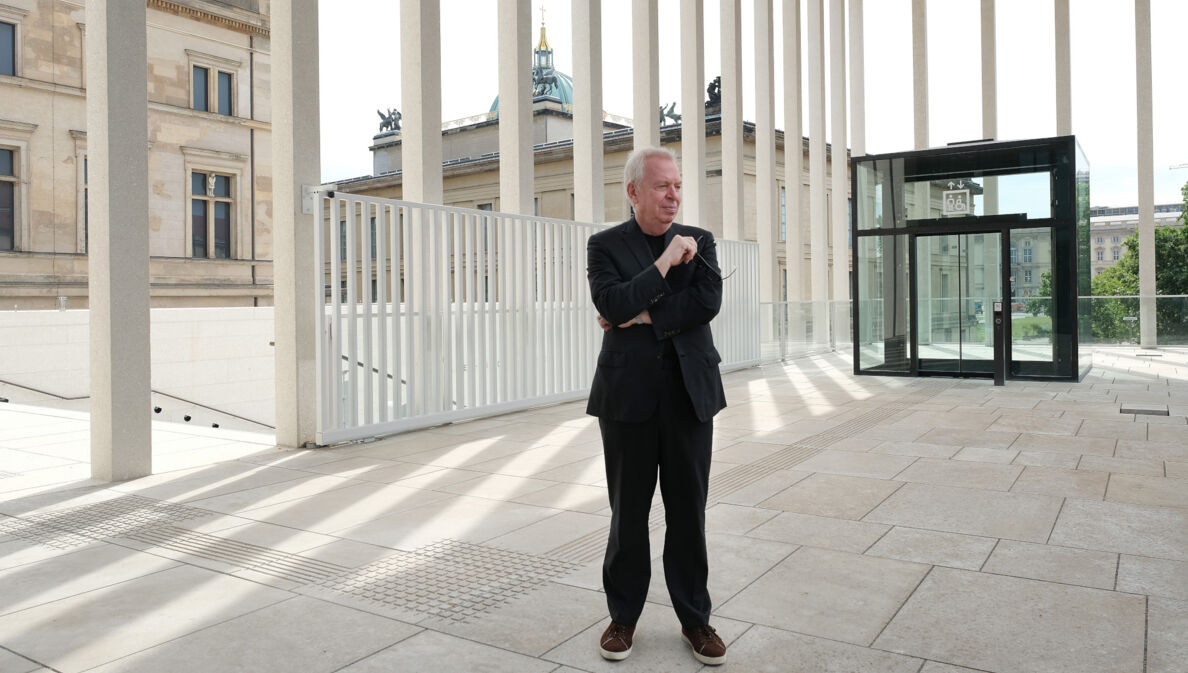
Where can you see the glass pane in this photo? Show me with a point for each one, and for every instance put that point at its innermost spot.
(878, 194)
(198, 224)
(224, 93)
(222, 230)
(883, 286)
(222, 186)
(198, 184)
(7, 218)
(6, 162)
(938, 318)
(1031, 296)
(981, 286)
(201, 78)
(7, 49)
(1028, 194)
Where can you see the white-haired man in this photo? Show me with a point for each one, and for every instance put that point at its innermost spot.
(656, 286)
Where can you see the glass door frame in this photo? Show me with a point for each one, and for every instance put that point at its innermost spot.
(985, 226)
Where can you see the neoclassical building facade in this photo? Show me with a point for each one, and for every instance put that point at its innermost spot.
(209, 154)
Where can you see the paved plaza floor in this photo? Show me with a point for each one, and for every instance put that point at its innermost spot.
(856, 524)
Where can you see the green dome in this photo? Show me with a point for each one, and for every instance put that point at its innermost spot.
(560, 88)
(546, 81)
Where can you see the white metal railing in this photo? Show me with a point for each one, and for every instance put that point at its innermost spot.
(433, 314)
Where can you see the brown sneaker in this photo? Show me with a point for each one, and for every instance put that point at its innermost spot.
(708, 648)
(615, 643)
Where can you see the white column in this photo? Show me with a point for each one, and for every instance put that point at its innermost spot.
(857, 81)
(989, 107)
(767, 207)
(645, 76)
(989, 72)
(920, 72)
(516, 169)
(839, 162)
(1063, 71)
(1146, 173)
(420, 98)
(819, 234)
(588, 181)
(793, 151)
(117, 139)
(731, 120)
(693, 114)
(296, 164)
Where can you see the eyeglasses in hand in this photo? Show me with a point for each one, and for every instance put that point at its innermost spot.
(709, 267)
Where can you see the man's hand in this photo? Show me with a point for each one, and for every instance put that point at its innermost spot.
(644, 318)
(680, 250)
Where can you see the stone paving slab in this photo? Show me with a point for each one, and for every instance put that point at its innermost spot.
(965, 618)
(835, 595)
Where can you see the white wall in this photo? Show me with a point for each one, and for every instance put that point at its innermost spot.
(217, 357)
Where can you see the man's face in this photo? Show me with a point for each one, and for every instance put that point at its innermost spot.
(658, 196)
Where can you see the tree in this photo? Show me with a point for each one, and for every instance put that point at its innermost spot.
(1171, 278)
(1042, 304)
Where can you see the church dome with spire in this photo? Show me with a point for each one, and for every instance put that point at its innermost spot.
(547, 82)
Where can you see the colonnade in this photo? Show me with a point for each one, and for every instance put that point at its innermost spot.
(119, 186)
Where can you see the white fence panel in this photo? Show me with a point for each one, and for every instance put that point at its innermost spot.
(432, 314)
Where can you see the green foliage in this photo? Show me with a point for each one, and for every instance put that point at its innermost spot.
(1171, 278)
(1042, 304)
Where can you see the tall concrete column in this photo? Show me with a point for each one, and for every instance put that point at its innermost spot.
(296, 165)
(420, 98)
(793, 152)
(645, 76)
(117, 140)
(839, 163)
(731, 120)
(920, 72)
(1063, 71)
(516, 169)
(989, 71)
(819, 231)
(588, 183)
(693, 114)
(766, 197)
(857, 81)
(1146, 173)
(989, 103)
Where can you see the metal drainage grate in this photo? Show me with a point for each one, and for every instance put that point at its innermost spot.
(74, 526)
(283, 565)
(448, 579)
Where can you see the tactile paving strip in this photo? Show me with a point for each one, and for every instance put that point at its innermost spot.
(448, 579)
(243, 555)
(74, 526)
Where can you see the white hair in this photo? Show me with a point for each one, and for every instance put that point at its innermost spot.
(637, 161)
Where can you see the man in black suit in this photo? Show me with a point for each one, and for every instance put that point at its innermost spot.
(656, 286)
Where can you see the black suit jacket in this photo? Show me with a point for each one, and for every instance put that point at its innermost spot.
(623, 282)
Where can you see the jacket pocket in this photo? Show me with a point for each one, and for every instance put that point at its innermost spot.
(612, 359)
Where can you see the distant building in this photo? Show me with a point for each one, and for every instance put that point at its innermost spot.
(1110, 227)
(209, 153)
(470, 166)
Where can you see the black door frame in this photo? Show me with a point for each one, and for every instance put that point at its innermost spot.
(986, 225)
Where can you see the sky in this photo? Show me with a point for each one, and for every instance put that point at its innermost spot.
(360, 74)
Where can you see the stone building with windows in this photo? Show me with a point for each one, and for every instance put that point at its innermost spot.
(209, 153)
(1110, 227)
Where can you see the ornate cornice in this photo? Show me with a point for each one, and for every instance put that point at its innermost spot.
(186, 10)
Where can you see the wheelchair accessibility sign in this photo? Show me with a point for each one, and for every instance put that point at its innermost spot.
(955, 201)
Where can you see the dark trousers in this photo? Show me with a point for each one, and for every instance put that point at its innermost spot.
(677, 446)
